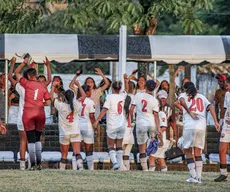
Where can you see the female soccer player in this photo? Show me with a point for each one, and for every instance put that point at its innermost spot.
(225, 136)
(195, 107)
(69, 131)
(86, 120)
(147, 119)
(97, 92)
(114, 105)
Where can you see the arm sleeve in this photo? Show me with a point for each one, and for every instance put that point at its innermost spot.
(23, 82)
(133, 101)
(18, 88)
(107, 102)
(156, 106)
(206, 102)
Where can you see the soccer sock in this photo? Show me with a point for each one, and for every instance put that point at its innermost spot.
(223, 169)
(32, 153)
(143, 161)
(38, 146)
(112, 155)
(63, 164)
(199, 166)
(74, 162)
(164, 169)
(89, 158)
(120, 159)
(79, 161)
(191, 167)
(126, 162)
(22, 164)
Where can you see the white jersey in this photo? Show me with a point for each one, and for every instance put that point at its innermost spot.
(21, 92)
(146, 104)
(86, 107)
(67, 121)
(198, 105)
(227, 104)
(115, 113)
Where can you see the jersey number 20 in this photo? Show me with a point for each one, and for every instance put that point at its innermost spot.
(197, 104)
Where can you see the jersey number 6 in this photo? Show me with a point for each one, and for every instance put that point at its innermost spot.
(119, 107)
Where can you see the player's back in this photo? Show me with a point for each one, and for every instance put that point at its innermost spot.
(198, 105)
(115, 104)
(146, 104)
(86, 107)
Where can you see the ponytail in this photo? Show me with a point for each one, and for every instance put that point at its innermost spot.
(69, 95)
(126, 105)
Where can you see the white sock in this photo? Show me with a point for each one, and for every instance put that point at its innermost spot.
(32, 153)
(199, 167)
(143, 161)
(90, 162)
(29, 162)
(22, 165)
(74, 163)
(112, 155)
(62, 166)
(120, 160)
(38, 146)
(127, 164)
(224, 172)
(192, 171)
(152, 168)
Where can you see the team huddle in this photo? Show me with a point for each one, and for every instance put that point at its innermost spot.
(144, 108)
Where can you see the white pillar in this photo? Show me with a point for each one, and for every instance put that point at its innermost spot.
(6, 91)
(122, 53)
(155, 76)
(193, 74)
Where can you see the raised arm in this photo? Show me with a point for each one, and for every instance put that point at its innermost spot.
(52, 90)
(82, 92)
(126, 81)
(72, 83)
(106, 85)
(20, 67)
(49, 78)
(10, 76)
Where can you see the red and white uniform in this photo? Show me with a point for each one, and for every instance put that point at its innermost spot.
(146, 105)
(33, 114)
(194, 130)
(225, 133)
(87, 107)
(68, 122)
(115, 116)
(21, 92)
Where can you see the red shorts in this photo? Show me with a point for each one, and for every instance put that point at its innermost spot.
(33, 119)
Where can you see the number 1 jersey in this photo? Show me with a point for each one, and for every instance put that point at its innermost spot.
(199, 105)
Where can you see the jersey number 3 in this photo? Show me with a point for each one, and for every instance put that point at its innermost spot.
(197, 104)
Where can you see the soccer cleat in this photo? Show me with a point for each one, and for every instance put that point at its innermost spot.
(152, 168)
(32, 168)
(221, 178)
(191, 180)
(199, 180)
(115, 166)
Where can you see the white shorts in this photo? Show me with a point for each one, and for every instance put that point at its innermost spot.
(194, 138)
(117, 133)
(144, 133)
(161, 151)
(225, 134)
(67, 139)
(87, 134)
(20, 125)
(13, 114)
(128, 137)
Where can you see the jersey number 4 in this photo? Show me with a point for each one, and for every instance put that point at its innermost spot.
(70, 117)
(197, 104)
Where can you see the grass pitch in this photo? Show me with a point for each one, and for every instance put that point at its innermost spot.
(56, 180)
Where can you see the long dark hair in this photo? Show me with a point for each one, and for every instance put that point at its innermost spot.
(161, 88)
(139, 79)
(69, 95)
(61, 88)
(94, 87)
(126, 105)
(190, 89)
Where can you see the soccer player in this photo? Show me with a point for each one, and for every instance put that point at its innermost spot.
(147, 119)
(195, 107)
(225, 136)
(86, 120)
(68, 124)
(33, 114)
(113, 106)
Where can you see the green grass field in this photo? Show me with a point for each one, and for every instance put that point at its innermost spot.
(55, 180)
